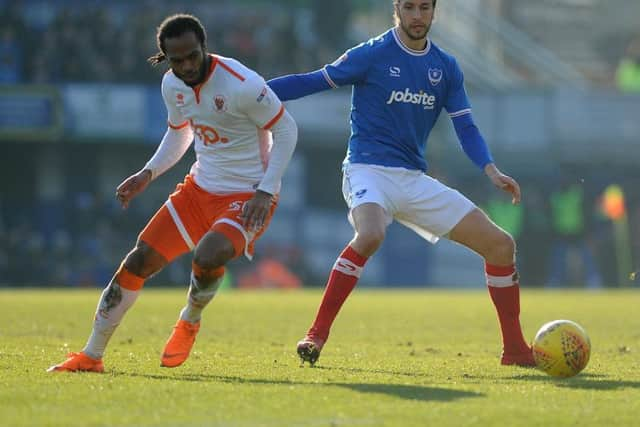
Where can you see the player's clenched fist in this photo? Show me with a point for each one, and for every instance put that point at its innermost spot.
(132, 186)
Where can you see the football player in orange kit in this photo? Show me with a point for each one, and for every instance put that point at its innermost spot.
(243, 139)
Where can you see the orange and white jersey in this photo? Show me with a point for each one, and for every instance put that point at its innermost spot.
(230, 114)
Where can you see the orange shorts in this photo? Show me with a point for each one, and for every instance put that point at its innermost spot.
(190, 212)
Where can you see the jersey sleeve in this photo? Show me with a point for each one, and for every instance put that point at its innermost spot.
(259, 103)
(175, 119)
(350, 68)
(457, 102)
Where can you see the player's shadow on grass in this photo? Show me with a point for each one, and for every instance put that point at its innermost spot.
(403, 391)
(411, 392)
(582, 381)
(374, 371)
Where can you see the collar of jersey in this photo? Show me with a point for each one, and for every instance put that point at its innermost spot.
(212, 66)
(408, 49)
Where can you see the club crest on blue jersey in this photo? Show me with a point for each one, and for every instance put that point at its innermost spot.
(435, 76)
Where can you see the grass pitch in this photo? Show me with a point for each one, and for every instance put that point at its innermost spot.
(407, 358)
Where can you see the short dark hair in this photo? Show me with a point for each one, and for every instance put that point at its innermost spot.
(175, 26)
(396, 18)
(398, 1)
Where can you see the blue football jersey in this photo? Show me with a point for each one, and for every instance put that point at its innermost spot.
(398, 94)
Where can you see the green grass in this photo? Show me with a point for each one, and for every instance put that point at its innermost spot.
(414, 358)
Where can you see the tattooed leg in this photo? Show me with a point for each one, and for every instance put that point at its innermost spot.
(113, 304)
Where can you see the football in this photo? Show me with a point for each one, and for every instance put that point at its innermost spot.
(561, 348)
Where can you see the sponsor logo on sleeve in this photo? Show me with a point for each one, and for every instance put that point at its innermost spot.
(262, 95)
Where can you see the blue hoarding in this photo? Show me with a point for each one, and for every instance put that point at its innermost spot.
(30, 113)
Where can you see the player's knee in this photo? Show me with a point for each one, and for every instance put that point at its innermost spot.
(210, 260)
(144, 261)
(504, 247)
(368, 241)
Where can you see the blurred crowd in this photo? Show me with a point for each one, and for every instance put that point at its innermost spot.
(54, 42)
(563, 233)
(109, 41)
(74, 242)
(628, 71)
(566, 236)
(568, 233)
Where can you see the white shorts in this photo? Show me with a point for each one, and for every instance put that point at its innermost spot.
(414, 199)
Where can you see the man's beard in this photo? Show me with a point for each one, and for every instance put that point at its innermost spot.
(203, 69)
(201, 74)
(408, 32)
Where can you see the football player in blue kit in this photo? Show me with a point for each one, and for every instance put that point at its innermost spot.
(401, 82)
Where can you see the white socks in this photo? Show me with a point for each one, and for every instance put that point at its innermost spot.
(113, 304)
(200, 294)
(116, 300)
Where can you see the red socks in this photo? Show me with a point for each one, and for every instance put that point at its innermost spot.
(502, 283)
(505, 294)
(343, 278)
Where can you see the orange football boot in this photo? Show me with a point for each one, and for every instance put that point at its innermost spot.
(78, 362)
(179, 344)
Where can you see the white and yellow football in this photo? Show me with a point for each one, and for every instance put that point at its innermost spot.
(561, 348)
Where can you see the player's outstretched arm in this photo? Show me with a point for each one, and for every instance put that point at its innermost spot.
(477, 150)
(471, 140)
(294, 86)
(171, 149)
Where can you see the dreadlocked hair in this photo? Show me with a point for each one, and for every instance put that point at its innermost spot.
(175, 26)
